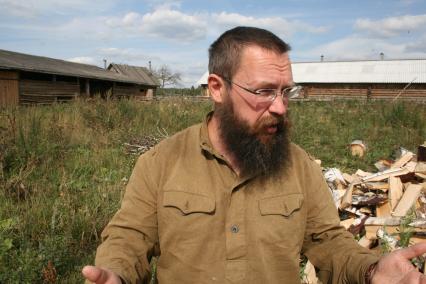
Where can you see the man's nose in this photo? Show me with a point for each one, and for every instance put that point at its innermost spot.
(279, 105)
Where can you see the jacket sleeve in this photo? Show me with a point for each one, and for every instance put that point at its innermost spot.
(128, 241)
(330, 248)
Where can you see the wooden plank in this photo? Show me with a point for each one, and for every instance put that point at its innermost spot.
(411, 166)
(9, 75)
(387, 221)
(386, 174)
(361, 173)
(348, 178)
(395, 191)
(383, 210)
(408, 200)
(347, 198)
(9, 90)
(383, 186)
(402, 160)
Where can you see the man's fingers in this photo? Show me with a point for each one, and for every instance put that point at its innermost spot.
(413, 251)
(95, 274)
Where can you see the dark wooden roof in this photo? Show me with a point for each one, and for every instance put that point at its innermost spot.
(10, 60)
(137, 73)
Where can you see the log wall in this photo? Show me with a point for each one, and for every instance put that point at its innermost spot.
(9, 88)
(364, 91)
(47, 92)
(133, 91)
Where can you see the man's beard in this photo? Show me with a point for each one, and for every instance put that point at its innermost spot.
(255, 150)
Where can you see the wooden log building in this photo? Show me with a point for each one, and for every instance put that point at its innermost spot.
(29, 79)
(370, 79)
(136, 73)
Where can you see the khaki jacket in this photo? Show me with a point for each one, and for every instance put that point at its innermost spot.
(211, 226)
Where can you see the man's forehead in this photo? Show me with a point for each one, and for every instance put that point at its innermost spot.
(255, 51)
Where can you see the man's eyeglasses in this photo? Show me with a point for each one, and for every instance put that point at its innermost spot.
(271, 94)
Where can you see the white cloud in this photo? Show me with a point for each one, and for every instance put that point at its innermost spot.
(126, 55)
(172, 24)
(84, 59)
(418, 46)
(392, 26)
(280, 26)
(357, 47)
(163, 22)
(34, 8)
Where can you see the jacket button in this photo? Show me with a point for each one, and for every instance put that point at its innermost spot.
(235, 229)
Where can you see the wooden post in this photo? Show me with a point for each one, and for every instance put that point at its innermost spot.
(87, 88)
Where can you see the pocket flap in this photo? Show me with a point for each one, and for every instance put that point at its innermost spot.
(188, 202)
(280, 205)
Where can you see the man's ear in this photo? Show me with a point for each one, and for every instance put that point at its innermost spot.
(217, 88)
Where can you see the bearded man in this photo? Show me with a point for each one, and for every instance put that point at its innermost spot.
(231, 200)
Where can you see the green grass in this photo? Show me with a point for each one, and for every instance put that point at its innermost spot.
(63, 168)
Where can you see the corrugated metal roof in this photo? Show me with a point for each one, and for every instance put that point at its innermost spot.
(141, 74)
(19, 61)
(374, 71)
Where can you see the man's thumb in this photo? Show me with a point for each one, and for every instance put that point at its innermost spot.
(95, 274)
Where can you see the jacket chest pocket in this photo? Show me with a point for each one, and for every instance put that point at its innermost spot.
(282, 218)
(284, 205)
(188, 203)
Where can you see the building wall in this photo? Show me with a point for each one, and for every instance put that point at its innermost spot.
(363, 91)
(47, 92)
(9, 88)
(133, 91)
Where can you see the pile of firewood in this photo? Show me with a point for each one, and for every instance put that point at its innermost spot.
(385, 210)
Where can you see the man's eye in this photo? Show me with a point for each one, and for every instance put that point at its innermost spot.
(265, 92)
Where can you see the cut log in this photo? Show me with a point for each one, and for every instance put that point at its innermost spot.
(358, 148)
(408, 200)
